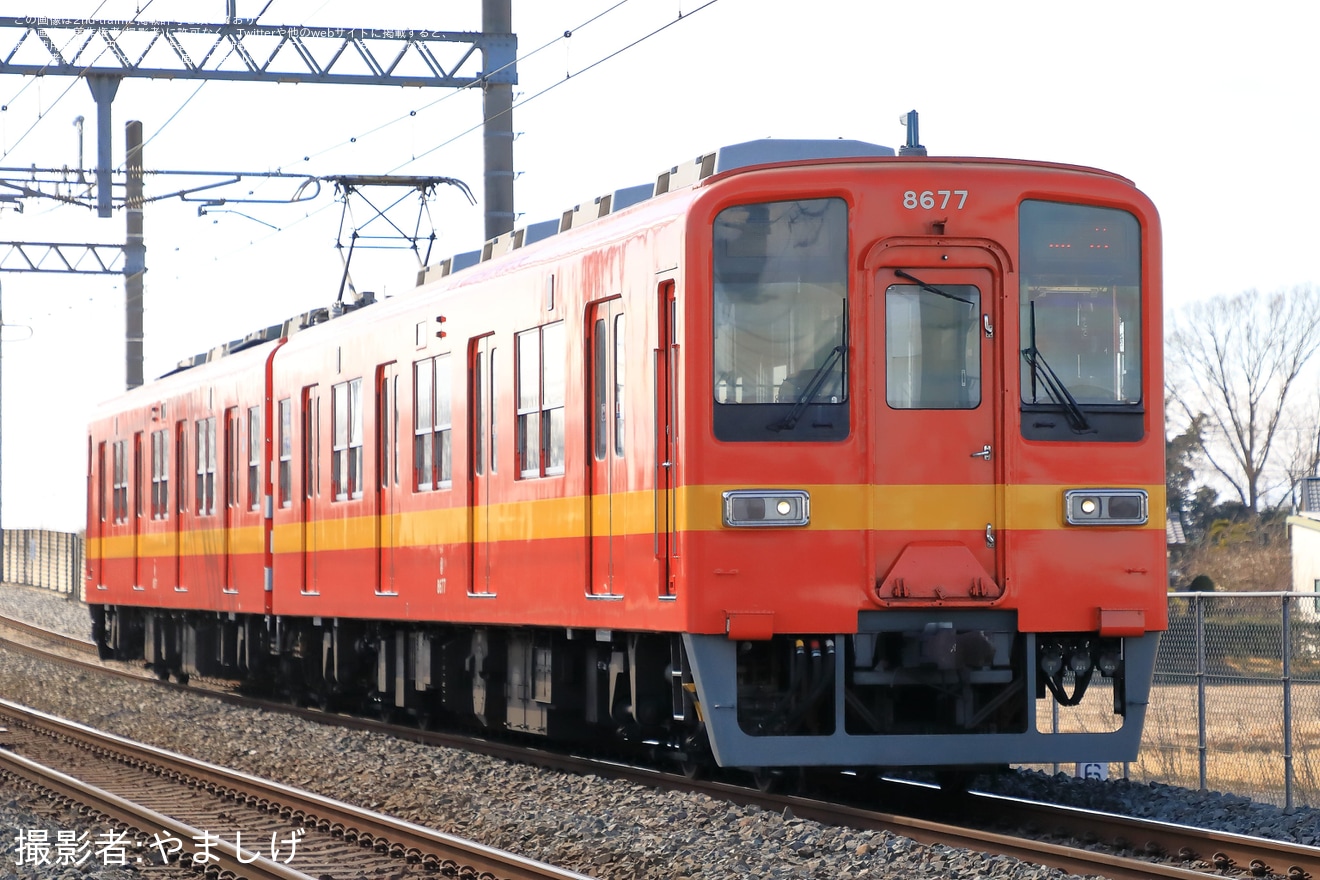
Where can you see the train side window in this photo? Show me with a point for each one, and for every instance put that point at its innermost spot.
(120, 490)
(206, 460)
(423, 419)
(432, 423)
(529, 403)
(254, 458)
(181, 466)
(233, 428)
(137, 476)
(619, 370)
(601, 403)
(346, 466)
(311, 445)
(387, 426)
(100, 480)
(442, 430)
(552, 396)
(286, 452)
(478, 417)
(540, 395)
(933, 347)
(494, 415)
(160, 474)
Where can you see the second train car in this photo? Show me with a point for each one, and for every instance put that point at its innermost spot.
(808, 454)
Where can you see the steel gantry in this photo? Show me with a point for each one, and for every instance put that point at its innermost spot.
(103, 52)
(239, 50)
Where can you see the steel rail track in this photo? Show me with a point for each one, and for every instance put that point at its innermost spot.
(212, 790)
(229, 862)
(82, 646)
(1216, 851)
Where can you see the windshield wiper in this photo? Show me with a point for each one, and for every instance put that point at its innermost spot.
(1054, 387)
(930, 288)
(789, 421)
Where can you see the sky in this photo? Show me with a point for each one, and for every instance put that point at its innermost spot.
(1209, 108)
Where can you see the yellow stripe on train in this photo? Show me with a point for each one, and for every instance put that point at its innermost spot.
(697, 509)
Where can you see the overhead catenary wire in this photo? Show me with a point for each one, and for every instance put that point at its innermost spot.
(567, 76)
(28, 81)
(233, 47)
(565, 35)
(88, 66)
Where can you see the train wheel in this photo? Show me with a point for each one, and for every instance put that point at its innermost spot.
(697, 761)
(777, 780)
(694, 769)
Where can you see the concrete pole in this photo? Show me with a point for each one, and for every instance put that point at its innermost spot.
(2, 435)
(135, 256)
(103, 92)
(497, 18)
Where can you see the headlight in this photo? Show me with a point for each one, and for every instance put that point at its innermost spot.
(1105, 507)
(766, 507)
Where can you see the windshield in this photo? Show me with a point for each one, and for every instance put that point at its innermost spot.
(1081, 301)
(780, 313)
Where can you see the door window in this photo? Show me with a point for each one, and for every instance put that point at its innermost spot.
(932, 346)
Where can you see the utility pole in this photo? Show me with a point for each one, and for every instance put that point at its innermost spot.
(497, 18)
(135, 256)
(2, 436)
(103, 92)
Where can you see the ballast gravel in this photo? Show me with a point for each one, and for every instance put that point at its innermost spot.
(598, 827)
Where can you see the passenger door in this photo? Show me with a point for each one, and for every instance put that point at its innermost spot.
(311, 474)
(387, 475)
(483, 458)
(140, 576)
(181, 512)
(229, 503)
(666, 439)
(608, 468)
(936, 454)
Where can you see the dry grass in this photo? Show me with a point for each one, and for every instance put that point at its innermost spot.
(1244, 736)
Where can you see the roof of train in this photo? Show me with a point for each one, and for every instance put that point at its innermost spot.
(768, 151)
(728, 158)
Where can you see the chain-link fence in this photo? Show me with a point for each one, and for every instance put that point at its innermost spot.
(1236, 701)
(41, 558)
(1235, 705)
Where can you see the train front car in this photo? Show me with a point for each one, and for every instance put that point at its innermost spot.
(929, 502)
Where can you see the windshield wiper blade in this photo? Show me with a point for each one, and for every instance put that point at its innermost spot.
(930, 288)
(1054, 387)
(1057, 391)
(788, 422)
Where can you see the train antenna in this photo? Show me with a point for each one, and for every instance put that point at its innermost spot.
(913, 146)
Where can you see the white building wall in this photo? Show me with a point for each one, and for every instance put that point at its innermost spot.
(1304, 530)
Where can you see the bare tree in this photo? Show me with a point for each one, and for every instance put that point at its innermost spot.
(1236, 359)
(1300, 442)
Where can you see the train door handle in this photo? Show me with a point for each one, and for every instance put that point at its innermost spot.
(984, 453)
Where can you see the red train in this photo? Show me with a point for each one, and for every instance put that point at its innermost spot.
(809, 454)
